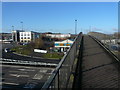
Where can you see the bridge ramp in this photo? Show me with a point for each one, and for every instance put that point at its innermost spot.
(99, 69)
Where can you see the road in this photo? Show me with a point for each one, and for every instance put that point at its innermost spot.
(11, 55)
(20, 77)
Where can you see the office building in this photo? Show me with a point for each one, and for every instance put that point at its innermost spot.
(28, 36)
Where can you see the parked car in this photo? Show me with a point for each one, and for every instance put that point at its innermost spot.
(7, 50)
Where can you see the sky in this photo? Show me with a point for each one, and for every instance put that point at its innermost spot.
(59, 17)
(60, 0)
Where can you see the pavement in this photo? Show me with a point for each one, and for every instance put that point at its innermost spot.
(24, 77)
(99, 69)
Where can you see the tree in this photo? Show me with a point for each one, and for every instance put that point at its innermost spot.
(39, 43)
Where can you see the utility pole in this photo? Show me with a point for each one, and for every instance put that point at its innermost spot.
(75, 26)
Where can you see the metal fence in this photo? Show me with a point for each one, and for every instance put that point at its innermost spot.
(62, 74)
(114, 48)
(30, 63)
(106, 48)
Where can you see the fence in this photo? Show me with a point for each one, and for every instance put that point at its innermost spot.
(29, 63)
(62, 74)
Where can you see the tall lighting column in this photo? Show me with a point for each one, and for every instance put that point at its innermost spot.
(75, 26)
(22, 25)
(13, 28)
(13, 33)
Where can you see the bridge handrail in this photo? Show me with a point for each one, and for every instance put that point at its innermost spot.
(63, 64)
(106, 48)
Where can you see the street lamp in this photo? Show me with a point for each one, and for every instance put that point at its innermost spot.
(13, 28)
(22, 25)
(75, 26)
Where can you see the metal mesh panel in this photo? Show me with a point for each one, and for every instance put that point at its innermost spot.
(60, 78)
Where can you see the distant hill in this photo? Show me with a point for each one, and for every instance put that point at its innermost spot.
(99, 35)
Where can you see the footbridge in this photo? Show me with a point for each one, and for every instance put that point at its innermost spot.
(87, 64)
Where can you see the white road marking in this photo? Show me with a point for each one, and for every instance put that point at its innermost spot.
(10, 83)
(38, 76)
(26, 70)
(16, 75)
(43, 71)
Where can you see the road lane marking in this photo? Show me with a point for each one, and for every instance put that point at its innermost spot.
(26, 70)
(43, 71)
(10, 83)
(38, 76)
(13, 75)
(18, 75)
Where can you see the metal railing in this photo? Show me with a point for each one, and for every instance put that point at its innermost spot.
(106, 48)
(62, 74)
(29, 63)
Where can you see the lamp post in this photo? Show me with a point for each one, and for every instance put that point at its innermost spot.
(13, 33)
(75, 26)
(13, 28)
(22, 25)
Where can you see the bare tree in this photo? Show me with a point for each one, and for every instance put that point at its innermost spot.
(39, 43)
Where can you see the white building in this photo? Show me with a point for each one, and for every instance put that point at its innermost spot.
(63, 45)
(28, 36)
(112, 41)
(59, 35)
(16, 36)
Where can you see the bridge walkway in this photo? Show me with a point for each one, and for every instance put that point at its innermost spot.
(99, 68)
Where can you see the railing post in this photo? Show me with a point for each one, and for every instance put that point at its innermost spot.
(58, 81)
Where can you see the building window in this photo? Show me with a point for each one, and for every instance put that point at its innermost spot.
(25, 34)
(28, 37)
(28, 34)
(24, 37)
(56, 44)
(21, 37)
(67, 44)
(61, 44)
(21, 40)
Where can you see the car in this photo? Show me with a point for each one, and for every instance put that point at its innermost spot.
(7, 50)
